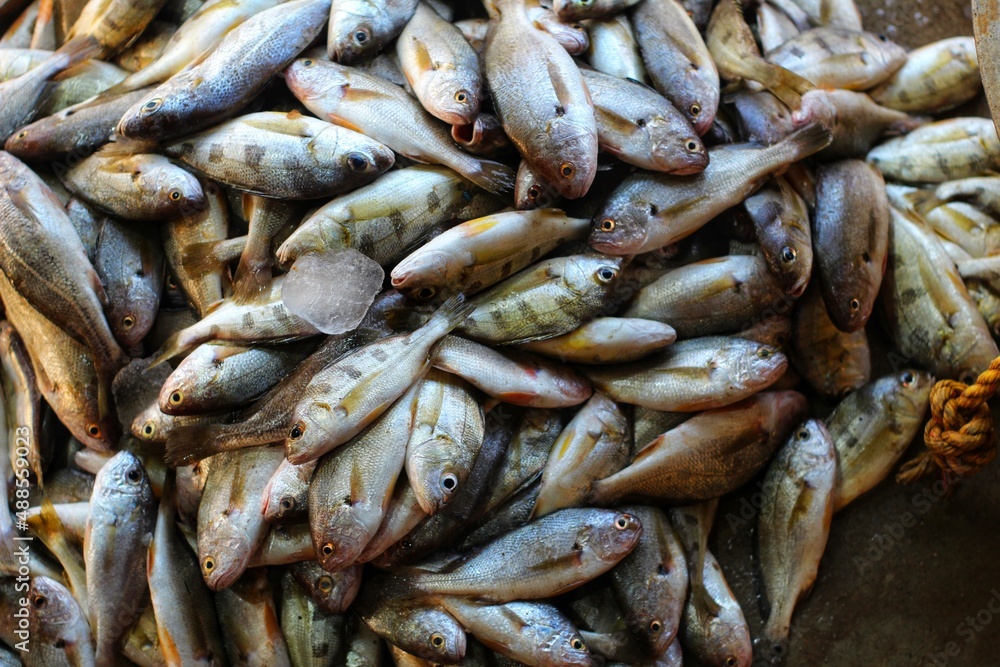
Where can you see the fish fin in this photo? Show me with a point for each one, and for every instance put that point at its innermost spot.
(492, 176)
(121, 147)
(359, 95)
(189, 444)
(703, 600)
(560, 86)
(454, 311)
(907, 125)
(201, 258)
(250, 282)
(78, 49)
(808, 140)
(923, 201)
(422, 55)
(337, 120)
(786, 85)
(171, 348)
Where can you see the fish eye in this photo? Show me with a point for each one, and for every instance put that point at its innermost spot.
(731, 661)
(22, 135)
(176, 398)
(621, 523)
(328, 549)
(175, 195)
(653, 209)
(907, 378)
(788, 254)
(208, 564)
(691, 146)
(882, 37)
(361, 36)
(641, 122)
(577, 27)
(855, 305)
(461, 97)
(307, 63)
(695, 109)
(325, 584)
(577, 644)
(39, 601)
(567, 169)
(764, 353)
(406, 544)
(357, 162)
(426, 293)
(437, 640)
(534, 192)
(128, 322)
(606, 274)
(148, 429)
(152, 105)
(968, 378)
(607, 225)
(287, 503)
(133, 475)
(93, 430)
(803, 434)
(449, 482)
(655, 626)
(297, 430)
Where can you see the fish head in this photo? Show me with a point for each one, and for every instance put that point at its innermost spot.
(620, 226)
(441, 637)
(332, 591)
(813, 446)
(26, 142)
(436, 477)
(612, 536)
(568, 648)
(124, 476)
(149, 425)
(312, 428)
(887, 53)
(576, 168)
(51, 604)
(362, 158)
(455, 102)
(160, 112)
(731, 646)
(177, 190)
(584, 273)
(340, 538)
(677, 154)
(354, 31)
(910, 391)
(426, 269)
(311, 79)
(224, 550)
(765, 363)
(530, 191)
(697, 98)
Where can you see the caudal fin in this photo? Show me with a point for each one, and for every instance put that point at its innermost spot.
(491, 176)
(452, 313)
(807, 140)
(190, 444)
(786, 85)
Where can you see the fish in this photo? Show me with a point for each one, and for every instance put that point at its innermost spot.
(642, 128)
(387, 218)
(535, 84)
(422, 630)
(286, 497)
(130, 265)
(708, 455)
(735, 53)
(548, 299)
(927, 310)
(483, 135)
(479, 253)
(57, 624)
(717, 639)
(851, 234)
(677, 60)
(606, 340)
(833, 362)
(249, 622)
(576, 10)
(441, 67)
(359, 28)
(781, 222)
(283, 156)
(349, 97)
(447, 433)
(352, 485)
(113, 24)
(794, 523)
(774, 27)
(651, 583)
(312, 636)
(334, 592)
(731, 293)
(343, 398)
(595, 444)
(266, 218)
(22, 403)
(649, 211)
(693, 375)
(186, 622)
(529, 632)
(943, 151)
(217, 87)
(578, 545)
(613, 48)
(119, 531)
(230, 524)
(135, 186)
(840, 58)
(147, 47)
(935, 77)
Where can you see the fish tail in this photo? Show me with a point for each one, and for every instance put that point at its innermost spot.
(452, 313)
(202, 258)
(171, 348)
(78, 49)
(491, 176)
(189, 444)
(807, 140)
(786, 85)
(253, 275)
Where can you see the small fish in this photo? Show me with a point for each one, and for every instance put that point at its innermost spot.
(872, 427)
(119, 531)
(57, 624)
(286, 497)
(832, 361)
(249, 622)
(607, 340)
(362, 27)
(721, 639)
(333, 592)
(422, 630)
(936, 77)
(314, 637)
(851, 235)
(942, 151)
(840, 58)
(613, 48)
(781, 221)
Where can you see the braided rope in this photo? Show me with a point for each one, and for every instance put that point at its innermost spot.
(959, 436)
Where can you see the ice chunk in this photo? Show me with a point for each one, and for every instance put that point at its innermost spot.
(332, 290)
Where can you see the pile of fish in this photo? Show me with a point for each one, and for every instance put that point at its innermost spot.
(403, 332)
